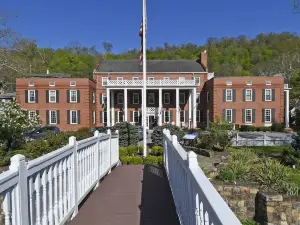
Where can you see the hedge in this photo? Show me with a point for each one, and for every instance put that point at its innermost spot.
(157, 135)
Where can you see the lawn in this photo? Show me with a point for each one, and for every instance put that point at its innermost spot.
(264, 149)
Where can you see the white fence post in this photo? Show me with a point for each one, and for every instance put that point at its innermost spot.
(109, 148)
(97, 134)
(72, 142)
(265, 139)
(118, 152)
(18, 163)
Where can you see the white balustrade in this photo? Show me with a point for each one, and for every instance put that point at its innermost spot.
(48, 190)
(149, 83)
(197, 201)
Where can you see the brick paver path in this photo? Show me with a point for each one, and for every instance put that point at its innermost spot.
(130, 195)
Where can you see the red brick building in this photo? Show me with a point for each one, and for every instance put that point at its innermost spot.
(181, 92)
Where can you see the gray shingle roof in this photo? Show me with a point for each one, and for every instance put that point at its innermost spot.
(152, 66)
(50, 75)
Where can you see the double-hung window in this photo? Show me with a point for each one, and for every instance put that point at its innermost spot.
(248, 95)
(248, 115)
(228, 95)
(104, 117)
(120, 98)
(52, 96)
(182, 98)
(94, 97)
(167, 115)
(268, 115)
(150, 78)
(120, 116)
(151, 98)
(136, 116)
(135, 78)
(73, 116)
(31, 96)
(32, 114)
(198, 117)
(166, 78)
(182, 116)
(167, 99)
(197, 97)
(197, 80)
(52, 117)
(103, 99)
(136, 97)
(268, 94)
(73, 96)
(228, 115)
(104, 81)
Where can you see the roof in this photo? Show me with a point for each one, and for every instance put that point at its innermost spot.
(7, 95)
(152, 66)
(50, 75)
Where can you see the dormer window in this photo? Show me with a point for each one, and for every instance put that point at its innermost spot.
(249, 82)
(73, 83)
(51, 83)
(268, 82)
(30, 83)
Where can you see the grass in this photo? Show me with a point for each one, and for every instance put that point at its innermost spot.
(264, 149)
(295, 176)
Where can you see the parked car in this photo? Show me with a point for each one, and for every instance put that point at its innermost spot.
(42, 132)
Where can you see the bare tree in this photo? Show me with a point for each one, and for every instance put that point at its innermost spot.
(107, 47)
(296, 6)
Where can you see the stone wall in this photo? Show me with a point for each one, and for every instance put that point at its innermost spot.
(265, 208)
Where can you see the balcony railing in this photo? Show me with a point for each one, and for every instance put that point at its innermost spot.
(113, 83)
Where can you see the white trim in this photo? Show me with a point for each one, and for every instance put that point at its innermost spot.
(226, 117)
(103, 80)
(229, 83)
(151, 103)
(49, 100)
(135, 78)
(55, 113)
(249, 82)
(165, 116)
(271, 97)
(33, 96)
(111, 73)
(118, 98)
(182, 94)
(72, 83)
(93, 97)
(102, 98)
(251, 91)
(138, 98)
(270, 110)
(183, 116)
(71, 111)
(75, 101)
(120, 78)
(51, 83)
(165, 94)
(103, 116)
(226, 95)
(197, 78)
(181, 78)
(94, 117)
(248, 122)
(31, 83)
(268, 82)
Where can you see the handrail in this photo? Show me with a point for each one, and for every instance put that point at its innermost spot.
(196, 199)
(48, 190)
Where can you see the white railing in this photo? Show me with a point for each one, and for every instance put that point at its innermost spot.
(48, 190)
(197, 201)
(152, 110)
(151, 83)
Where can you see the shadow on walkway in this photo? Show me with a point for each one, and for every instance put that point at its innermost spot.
(157, 205)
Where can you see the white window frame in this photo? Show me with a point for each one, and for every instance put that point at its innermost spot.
(118, 119)
(167, 94)
(73, 91)
(198, 114)
(135, 78)
(72, 83)
(251, 95)
(50, 116)
(227, 95)
(94, 117)
(104, 119)
(118, 98)
(226, 115)
(150, 78)
(180, 96)
(229, 83)
(249, 82)
(270, 95)
(31, 112)
(167, 111)
(52, 84)
(31, 91)
(198, 97)
(197, 80)
(93, 97)
(166, 78)
(180, 116)
(268, 110)
(104, 80)
(248, 110)
(31, 83)
(134, 116)
(103, 96)
(52, 95)
(153, 97)
(71, 116)
(138, 98)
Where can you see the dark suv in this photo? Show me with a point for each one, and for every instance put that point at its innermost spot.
(42, 132)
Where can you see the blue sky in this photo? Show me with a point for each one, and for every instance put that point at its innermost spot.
(55, 23)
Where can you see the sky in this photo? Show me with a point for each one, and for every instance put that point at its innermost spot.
(56, 23)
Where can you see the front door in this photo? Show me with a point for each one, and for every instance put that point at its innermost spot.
(151, 122)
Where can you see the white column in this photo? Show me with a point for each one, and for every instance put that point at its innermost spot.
(190, 109)
(287, 108)
(177, 108)
(160, 115)
(194, 108)
(108, 106)
(112, 108)
(125, 105)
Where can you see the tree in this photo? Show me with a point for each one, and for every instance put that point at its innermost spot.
(107, 47)
(14, 122)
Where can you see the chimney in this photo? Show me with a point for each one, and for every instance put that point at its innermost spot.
(47, 71)
(203, 60)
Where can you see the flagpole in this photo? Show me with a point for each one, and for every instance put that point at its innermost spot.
(144, 111)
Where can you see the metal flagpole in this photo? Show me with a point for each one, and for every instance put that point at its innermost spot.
(144, 82)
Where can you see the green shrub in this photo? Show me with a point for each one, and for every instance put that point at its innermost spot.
(124, 160)
(206, 142)
(140, 150)
(84, 130)
(157, 150)
(123, 151)
(249, 222)
(37, 148)
(57, 141)
(132, 150)
(128, 134)
(278, 127)
(160, 160)
(263, 129)
(247, 128)
(150, 160)
(157, 135)
(135, 160)
(227, 175)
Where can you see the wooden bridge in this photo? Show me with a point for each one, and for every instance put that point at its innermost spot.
(83, 183)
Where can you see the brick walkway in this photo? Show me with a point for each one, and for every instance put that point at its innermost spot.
(130, 195)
